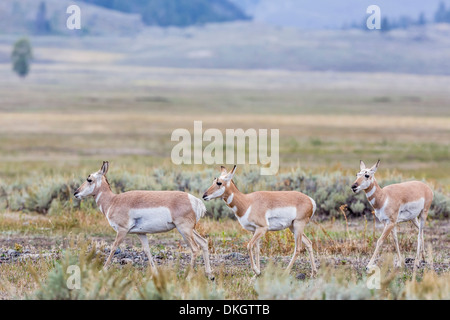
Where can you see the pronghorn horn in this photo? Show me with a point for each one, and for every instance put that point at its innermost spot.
(233, 171)
(375, 166)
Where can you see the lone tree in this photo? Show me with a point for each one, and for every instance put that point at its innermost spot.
(21, 57)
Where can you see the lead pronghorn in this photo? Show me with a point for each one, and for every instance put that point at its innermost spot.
(142, 212)
(264, 211)
(407, 201)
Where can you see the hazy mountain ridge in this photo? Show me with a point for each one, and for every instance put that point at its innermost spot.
(177, 12)
(332, 14)
(20, 17)
(49, 16)
(113, 37)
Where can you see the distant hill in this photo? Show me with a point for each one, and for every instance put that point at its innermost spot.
(250, 45)
(49, 17)
(179, 13)
(332, 14)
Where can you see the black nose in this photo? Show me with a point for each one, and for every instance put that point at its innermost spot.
(354, 186)
(75, 193)
(204, 195)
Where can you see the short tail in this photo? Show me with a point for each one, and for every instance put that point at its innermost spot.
(314, 206)
(198, 206)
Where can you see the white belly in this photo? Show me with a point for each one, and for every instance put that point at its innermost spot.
(150, 220)
(410, 210)
(280, 218)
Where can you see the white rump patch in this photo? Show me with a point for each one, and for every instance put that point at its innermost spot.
(280, 218)
(150, 220)
(410, 210)
(198, 206)
(314, 206)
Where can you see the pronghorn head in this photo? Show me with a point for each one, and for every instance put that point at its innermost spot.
(364, 177)
(220, 185)
(93, 182)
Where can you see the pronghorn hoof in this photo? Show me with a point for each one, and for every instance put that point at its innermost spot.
(409, 260)
(369, 267)
(256, 275)
(300, 276)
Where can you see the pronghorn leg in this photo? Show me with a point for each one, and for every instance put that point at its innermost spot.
(203, 243)
(188, 236)
(259, 232)
(419, 243)
(257, 254)
(144, 242)
(121, 234)
(387, 229)
(400, 259)
(424, 216)
(309, 247)
(297, 230)
(423, 248)
(416, 224)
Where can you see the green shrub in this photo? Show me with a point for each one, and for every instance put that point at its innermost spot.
(329, 190)
(117, 283)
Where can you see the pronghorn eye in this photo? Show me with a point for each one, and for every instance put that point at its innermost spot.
(89, 180)
(367, 176)
(219, 183)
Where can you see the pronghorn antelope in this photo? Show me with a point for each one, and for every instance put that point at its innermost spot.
(142, 212)
(407, 201)
(263, 211)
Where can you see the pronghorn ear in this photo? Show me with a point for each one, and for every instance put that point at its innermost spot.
(375, 167)
(104, 168)
(362, 165)
(223, 170)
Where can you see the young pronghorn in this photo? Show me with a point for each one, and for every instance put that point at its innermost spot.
(407, 201)
(263, 211)
(142, 212)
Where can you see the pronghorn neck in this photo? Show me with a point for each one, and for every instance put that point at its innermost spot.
(236, 200)
(375, 194)
(104, 196)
